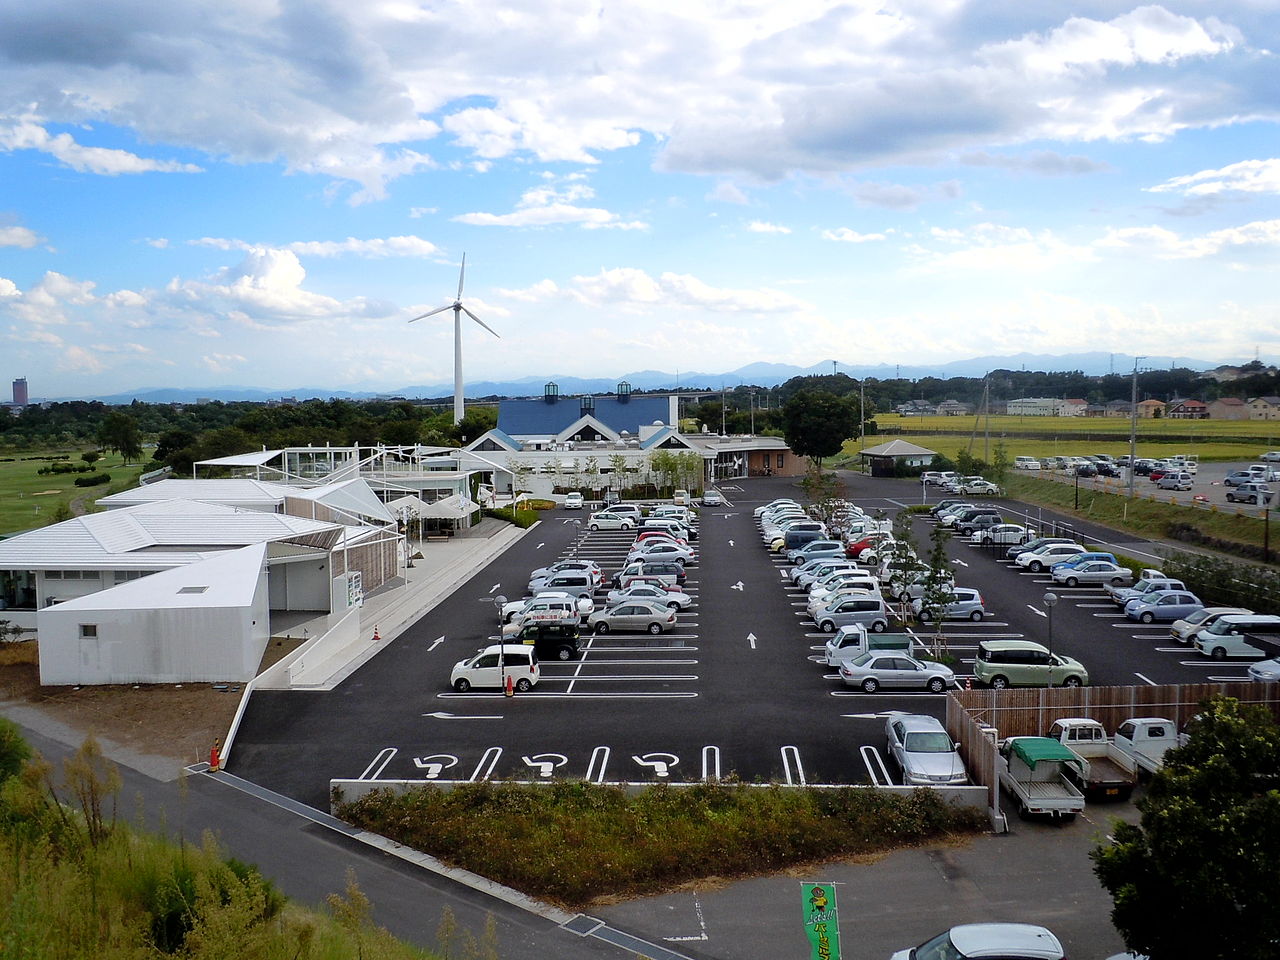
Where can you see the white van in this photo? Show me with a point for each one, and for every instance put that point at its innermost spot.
(1225, 636)
(1026, 463)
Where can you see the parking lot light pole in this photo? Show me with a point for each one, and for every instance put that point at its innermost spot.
(498, 603)
(1050, 600)
(577, 537)
(1077, 486)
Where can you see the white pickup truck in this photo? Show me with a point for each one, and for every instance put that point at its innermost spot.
(1105, 772)
(1146, 739)
(1034, 771)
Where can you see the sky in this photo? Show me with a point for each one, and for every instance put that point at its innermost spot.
(258, 193)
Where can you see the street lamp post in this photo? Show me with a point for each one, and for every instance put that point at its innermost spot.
(1077, 472)
(1050, 600)
(577, 537)
(498, 603)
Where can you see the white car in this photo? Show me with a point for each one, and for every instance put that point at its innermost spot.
(977, 486)
(924, 751)
(1004, 533)
(680, 498)
(516, 607)
(492, 667)
(1046, 556)
(1271, 456)
(573, 501)
(1008, 941)
(606, 520)
(661, 550)
(712, 498)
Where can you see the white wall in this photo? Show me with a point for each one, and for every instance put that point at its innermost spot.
(168, 645)
(300, 585)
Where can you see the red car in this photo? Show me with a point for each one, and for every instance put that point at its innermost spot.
(854, 548)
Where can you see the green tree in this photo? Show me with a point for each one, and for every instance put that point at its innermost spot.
(14, 749)
(906, 565)
(816, 425)
(1197, 875)
(938, 582)
(91, 457)
(119, 432)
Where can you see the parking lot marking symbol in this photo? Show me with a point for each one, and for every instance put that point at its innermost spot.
(960, 562)
(440, 715)
(374, 770)
(702, 925)
(489, 760)
(737, 586)
(661, 767)
(710, 763)
(1038, 613)
(876, 769)
(792, 767)
(751, 638)
(596, 767)
(539, 546)
(1145, 679)
(435, 764)
(435, 643)
(493, 588)
(731, 543)
(546, 763)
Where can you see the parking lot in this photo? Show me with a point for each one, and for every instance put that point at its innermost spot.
(736, 688)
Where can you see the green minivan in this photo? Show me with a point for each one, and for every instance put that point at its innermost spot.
(1025, 663)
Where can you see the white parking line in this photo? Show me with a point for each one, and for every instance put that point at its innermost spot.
(1145, 679)
(1109, 616)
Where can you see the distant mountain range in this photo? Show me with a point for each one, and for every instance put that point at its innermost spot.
(753, 374)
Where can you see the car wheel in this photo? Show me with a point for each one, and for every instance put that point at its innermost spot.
(602, 627)
(1147, 617)
(655, 628)
(999, 683)
(1116, 581)
(870, 685)
(827, 626)
(1071, 682)
(975, 616)
(673, 605)
(1073, 581)
(462, 685)
(595, 526)
(879, 626)
(564, 653)
(1218, 653)
(937, 685)
(626, 526)
(1035, 566)
(524, 685)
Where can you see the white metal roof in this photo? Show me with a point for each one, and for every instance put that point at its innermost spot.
(353, 496)
(227, 580)
(228, 491)
(152, 535)
(256, 459)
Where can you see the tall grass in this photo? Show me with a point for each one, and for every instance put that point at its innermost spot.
(78, 885)
(572, 842)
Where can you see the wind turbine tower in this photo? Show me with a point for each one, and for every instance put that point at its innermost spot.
(458, 310)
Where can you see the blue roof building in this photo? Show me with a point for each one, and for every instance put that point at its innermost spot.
(550, 415)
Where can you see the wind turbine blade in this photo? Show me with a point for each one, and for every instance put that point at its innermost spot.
(432, 313)
(461, 274)
(482, 323)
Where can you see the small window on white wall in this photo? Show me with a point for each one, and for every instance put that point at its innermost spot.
(88, 631)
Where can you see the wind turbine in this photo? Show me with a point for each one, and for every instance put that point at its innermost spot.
(458, 310)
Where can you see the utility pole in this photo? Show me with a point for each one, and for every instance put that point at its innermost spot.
(753, 412)
(1133, 426)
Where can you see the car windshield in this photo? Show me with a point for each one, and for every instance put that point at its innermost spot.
(933, 742)
(939, 948)
(861, 661)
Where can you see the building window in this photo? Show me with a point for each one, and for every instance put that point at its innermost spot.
(780, 461)
(88, 631)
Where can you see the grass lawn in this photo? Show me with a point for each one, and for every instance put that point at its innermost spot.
(28, 499)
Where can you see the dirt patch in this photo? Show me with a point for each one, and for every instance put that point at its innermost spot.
(178, 720)
(45, 493)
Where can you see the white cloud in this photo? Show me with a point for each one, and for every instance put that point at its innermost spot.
(1166, 244)
(554, 203)
(634, 289)
(1248, 176)
(995, 247)
(221, 362)
(846, 235)
(760, 226)
(416, 212)
(18, 237)
(160, 243)
(538, 291)
(727, 192)
(374, 248)
(26, 133)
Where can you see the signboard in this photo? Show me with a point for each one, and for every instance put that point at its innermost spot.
(821, 924)
(355, 589)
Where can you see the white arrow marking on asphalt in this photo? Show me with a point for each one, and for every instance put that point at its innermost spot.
(731, 543)
(435, 643)
(1038, 613)
(752, 638)
(539, 546)
(494, 587)
(454, 716)
(736, 586)
(960, 562)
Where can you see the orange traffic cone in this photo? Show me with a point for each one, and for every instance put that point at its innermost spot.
(968, 683)
(376, 638)
(215, 759)
(511, 689)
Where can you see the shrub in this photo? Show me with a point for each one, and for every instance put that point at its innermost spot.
(93, 480)
(521, 518)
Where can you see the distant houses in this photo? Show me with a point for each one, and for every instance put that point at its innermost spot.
(1227, 408)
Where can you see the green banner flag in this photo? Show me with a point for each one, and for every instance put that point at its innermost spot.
(821, 924)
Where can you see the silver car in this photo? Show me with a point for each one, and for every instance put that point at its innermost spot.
(634, 616)
(1093, 571)
(868, 610)
(924, 751)
(895, 671)
(965, 604)
(649, 593)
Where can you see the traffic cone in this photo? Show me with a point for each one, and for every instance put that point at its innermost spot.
(511, 688)
(376, 638)
(968, 683)
(215, 759)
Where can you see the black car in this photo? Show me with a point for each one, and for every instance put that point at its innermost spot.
(1107, 470)
(1087, 470)
(1143, 468)
(552, 641)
